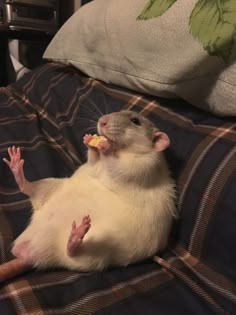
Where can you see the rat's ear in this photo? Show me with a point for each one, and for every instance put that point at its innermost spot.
(160, 141)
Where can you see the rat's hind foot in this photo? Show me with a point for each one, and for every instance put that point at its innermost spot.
(16, 166)
(76, 236)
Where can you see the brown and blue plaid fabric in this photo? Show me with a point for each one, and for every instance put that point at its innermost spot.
(46, 113)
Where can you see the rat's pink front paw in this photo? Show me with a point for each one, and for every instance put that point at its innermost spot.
(87, 138)
(104, 146)
(77, 234)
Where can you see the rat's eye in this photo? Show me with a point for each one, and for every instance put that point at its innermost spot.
(136, 121)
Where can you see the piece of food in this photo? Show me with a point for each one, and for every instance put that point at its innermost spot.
(96, 140)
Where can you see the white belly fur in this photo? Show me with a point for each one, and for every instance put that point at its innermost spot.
(121, 232)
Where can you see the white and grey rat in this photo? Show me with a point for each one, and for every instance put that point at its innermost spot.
(122, 198)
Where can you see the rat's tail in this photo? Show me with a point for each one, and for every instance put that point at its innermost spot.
(13, 268)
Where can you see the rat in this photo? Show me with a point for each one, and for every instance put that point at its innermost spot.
(116, 209)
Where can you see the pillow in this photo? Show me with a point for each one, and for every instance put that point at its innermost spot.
(167, 48)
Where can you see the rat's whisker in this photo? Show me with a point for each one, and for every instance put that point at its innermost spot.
(88, 127)
(91, 126)
(95, 106)
(82, 128)
(106, 104)
(86, 119)
(87, 130)
(94, 114)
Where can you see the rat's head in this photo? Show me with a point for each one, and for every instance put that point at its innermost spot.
(127, 129)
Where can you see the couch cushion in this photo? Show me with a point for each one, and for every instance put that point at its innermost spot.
(46, 113)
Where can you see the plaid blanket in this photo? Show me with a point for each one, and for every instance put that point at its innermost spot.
(46, 113)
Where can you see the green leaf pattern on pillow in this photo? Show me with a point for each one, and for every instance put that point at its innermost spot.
(155, 8)
(212, 23)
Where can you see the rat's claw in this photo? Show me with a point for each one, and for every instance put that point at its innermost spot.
(14, 153)
(6, 161)
(18, 152)
(86, 220)
(10, 152)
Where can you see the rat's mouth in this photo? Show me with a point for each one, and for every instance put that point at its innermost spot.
(103, 133)
(108, 133)
(108, 137)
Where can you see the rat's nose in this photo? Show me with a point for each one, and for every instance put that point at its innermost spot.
(102, 121)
